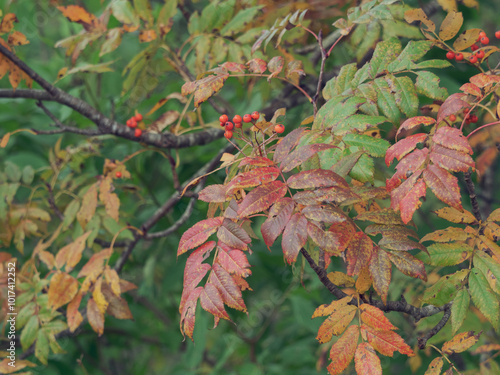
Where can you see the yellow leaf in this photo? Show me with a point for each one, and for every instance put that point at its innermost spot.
(451, 25)
(113, 280)
(99, 298)
(341, 279)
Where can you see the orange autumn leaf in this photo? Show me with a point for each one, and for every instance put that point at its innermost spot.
(336, 323)
(461, 342)
(73, 314)
(385, 342)
(77, 14)
(8, 22)
(147, 36)
(17, 38)
(62, 289)
(366, 361)
(375, 318)
(342, 352)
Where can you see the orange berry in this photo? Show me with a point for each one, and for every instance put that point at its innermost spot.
(279, 128)
(247, 118)
(118, 174)
(228, 134)
(223, 119)
(138, 117)
(237, 118)
(137, 132)
(480, 54)
(255, 115)
(453, 118)
(459, 57)
(238, 125)
(485, 40)
(482, 34)
(473, 59)
(450, 55)
(229, 125)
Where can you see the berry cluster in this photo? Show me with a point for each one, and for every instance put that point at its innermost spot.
(469, 117)
(477, 56)
(238, 123)
(132, 123)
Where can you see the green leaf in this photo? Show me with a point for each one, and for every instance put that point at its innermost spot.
(483, 297)
(397, 28)
(328, 158)
(490, 269)
(428, 85)
(240, 20)
(42, 347)
(413, 51)
(367, 91)
(29, 333)
(194, 24)
(446, 254)
(370, 38)
(459, 309)
(336, 110)
(364, 169)
(361, 75)
(339, 84)
(406, 96)
(386, 101)
(345, 165)
(70, 213)
(437, 64)
(12, 171)
(28, 174)
(373, 146)
(358, 123)
(445, 289)
(123, 12)
(384, 53)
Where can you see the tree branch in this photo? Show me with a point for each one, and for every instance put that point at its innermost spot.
(422, 341)
(472, 195)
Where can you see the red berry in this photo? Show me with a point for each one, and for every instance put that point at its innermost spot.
(138, 117)
(459, 57)
(247, 118)
(238, 125)
(466, 110)
(450, 55)
(485, 40)
(279, 128)
(137, 132)
(132, 123)
(473, 118)
(482, 34)
(222, 124)
(229, 125)
(474, 47)
(128, 123)
(228, 134)
(223, 119)
(255, 115)
(480, 54)
(453, 118)
(237, 118)
(497, 34)
(473, 59)
(118, 174)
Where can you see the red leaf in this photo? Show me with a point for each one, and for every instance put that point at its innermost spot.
(451, 105)
(233, 67)
(444, 185)
(327, 241)
(233, 235)
(358, 253)
(261, 198)
(198, 234)
(414, 122)
(211, 301)
(409, 165)
(408, 264)
(451, 160)
(375, 318)
(257, 66)
(482, 80)
(188, 313)
(344, 233)
(334, 194)
(342, 352)
(381, 272)
(366, 361)
(406, 198)
(294, 237)
(233, 261)
(279, 214)
(452, 138)
(255, 177)
(228, 290)
(327, 214)
(213, 193)
(472, 89)
(386, 342)
(286, 144)
(316, 178)
(195, 271)
(258, 161)
(404, 147)
(301, 154)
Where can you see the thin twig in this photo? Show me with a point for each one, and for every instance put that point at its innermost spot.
(52, 202)
(472, 196)
(184, 217)
(324, 56)
(422, 341)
